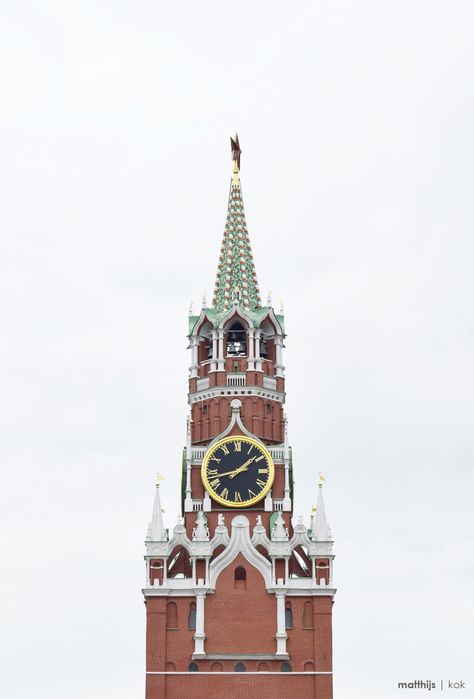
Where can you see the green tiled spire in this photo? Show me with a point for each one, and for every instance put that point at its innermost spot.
(236, 269)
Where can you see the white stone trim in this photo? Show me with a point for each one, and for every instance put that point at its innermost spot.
(199, 634)
(221, 391)
(240, 543)
(252, 672)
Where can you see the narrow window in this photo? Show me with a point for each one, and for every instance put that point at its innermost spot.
(268, 408)
(240, 667)
(240, 578)
(193, 667)
(171, 616)
(192, 616)
(288, 617)
(308, 615)
(285, 667)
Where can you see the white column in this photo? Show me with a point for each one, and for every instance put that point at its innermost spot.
(280, 369)
(193, 369)
(220, 356)
(281, 634)
(286, 570)
(214, 351)
(313, 567)
(258, 360)
(286, 456)
(199, 635)
(148, 581)
(188, 502)
(251, 355)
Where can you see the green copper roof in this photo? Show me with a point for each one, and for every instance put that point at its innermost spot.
(255, 315)
(236, 269)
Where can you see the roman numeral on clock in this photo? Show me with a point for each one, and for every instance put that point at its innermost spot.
(224, 449)
(237, 497)
(215, 483)
(225, 494)
(259, 458)
(252, 494)
(211, 472)
(237, 446)
(259, 482)
(263, 470)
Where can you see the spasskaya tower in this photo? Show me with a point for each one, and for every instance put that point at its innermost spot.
(238, 597)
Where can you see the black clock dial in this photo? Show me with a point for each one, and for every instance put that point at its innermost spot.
(237, 471)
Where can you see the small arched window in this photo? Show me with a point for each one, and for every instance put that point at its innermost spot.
(268, 408)
(171, 616)
(240, 667)
(285, 667)
(192, 616)
(193, 667)
(240, 578)
(308, 615)
(288, 617)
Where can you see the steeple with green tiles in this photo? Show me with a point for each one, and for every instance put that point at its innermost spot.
(236, 269)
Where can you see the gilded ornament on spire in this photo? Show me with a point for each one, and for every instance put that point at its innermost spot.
(235, 147)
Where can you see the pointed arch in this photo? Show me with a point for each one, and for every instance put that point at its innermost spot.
(240, 543)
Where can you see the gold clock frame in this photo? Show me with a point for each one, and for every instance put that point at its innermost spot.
(247, 440)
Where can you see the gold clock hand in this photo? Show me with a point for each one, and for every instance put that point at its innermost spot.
(244, 467)
(235, 471)
(228, 473)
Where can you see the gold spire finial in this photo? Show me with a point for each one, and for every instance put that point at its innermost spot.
(321, 480)
(235, 147)
(159, 478)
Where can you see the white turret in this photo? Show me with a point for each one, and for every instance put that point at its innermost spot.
(156, 530)
(321, 530)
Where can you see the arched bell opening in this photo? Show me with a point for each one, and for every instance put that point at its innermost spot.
(236, 345)
(267, 341)
(205, 343)
(179, 565)
(299, 565)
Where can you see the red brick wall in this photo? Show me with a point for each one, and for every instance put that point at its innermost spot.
(265, 686)
(240, 620)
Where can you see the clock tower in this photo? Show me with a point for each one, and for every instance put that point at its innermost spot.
(238, 596)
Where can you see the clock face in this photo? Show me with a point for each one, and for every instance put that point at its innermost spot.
(237, 471)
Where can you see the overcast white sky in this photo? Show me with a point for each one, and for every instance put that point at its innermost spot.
(355, 119)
